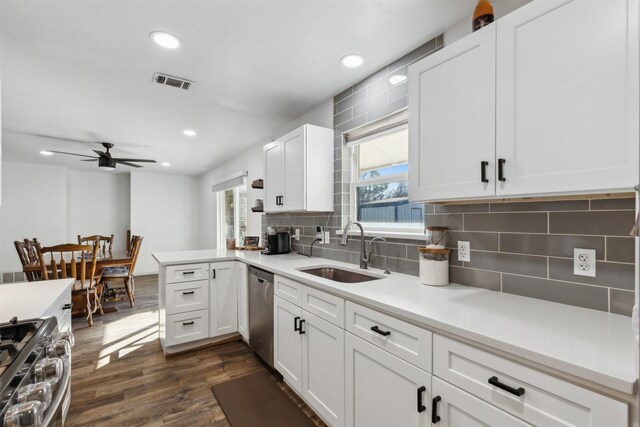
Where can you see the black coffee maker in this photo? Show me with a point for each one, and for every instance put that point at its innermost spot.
(278, 243)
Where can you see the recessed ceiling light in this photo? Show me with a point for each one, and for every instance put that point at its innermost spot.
(165, 40)
(46, 153)
(166, 164)
(397, 78)
(189, 132)
(352, 60)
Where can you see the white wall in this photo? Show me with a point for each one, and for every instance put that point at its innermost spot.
(55, 205)
(34, 205)
(164, 210)
(250, 160)
(99, 203)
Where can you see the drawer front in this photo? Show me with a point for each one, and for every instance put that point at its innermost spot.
(288, 289)
(187, 272)
(326, 306)
(61, 309)
(187, 327)
(408, 342)
(543, 400)
(187, 296)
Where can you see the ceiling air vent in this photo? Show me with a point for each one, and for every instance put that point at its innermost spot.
(167, 80)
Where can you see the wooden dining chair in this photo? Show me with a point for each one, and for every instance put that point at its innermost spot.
(75, 262)
(124, 273)
(27, 254)
(105, 243)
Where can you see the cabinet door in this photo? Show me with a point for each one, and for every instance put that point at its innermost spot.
(452, 120)
(287, 342)
(273, 174)
(323, 368)
(383, 390)
(567, 97)
(243, 301)
(294, 164)
(223, 303)
(457, 408)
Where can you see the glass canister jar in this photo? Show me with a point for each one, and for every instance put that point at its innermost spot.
(434, 266)
(436, 235)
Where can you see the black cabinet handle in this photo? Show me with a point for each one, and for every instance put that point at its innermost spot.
(434, 409)
(67, 306)
(421, 407)
(214, 273)
(380, 331)
(501, 163)
(184, 273)
(483, 171)
(187, 323)
(300, 331)
(515, 391)
(189, 293)
(296, 327)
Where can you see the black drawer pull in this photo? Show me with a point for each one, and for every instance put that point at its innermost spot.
(189, 293)
(515, 391)
(67, 306)
(501, 163)
(421, 407)
(184, 273)
(380, 331)
(300, 331)
(187, 323)
(434, 409)
(296, 326)
(483, 171)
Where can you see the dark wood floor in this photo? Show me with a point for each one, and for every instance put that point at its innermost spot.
(120, 376)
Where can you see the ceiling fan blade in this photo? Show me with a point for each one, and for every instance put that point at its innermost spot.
(57, 138)
(90, 160)
(135, 160)
(128, 164)
(100, 153)
(71, 154)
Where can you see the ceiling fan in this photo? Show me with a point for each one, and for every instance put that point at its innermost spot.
(105, 160)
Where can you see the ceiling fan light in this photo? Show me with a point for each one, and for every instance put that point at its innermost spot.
(106, 163)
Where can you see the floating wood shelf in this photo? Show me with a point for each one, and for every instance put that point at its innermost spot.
(258, 183)
(257, 209)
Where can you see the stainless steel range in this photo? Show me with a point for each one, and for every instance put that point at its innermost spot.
(35, 373)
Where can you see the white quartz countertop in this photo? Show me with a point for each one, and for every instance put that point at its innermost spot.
(29, 300)
(591, 345)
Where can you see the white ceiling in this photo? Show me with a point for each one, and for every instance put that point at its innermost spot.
(82, 70)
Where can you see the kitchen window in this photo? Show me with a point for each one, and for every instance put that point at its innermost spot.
(379, 180)
(232, 216)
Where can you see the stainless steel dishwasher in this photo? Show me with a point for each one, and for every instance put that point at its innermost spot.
(261, 313)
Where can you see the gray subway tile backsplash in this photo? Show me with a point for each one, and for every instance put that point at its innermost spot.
(612, 223)
(523, 248)
(562, 292)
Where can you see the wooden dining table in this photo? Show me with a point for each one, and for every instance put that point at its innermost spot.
(106, 259)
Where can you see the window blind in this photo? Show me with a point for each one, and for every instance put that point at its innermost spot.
(231, 181)
(376, 129)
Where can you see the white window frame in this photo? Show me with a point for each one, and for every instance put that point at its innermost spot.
(221, 226)
(355, 183)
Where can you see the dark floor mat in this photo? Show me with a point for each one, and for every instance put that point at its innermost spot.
(256, 401)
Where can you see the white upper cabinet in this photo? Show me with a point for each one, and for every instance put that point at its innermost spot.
(299, 171)
(567, 96)
(452, 120)
(547, 96)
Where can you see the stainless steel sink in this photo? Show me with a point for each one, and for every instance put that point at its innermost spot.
(340, 275)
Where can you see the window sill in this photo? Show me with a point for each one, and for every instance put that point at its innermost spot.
(386, 234)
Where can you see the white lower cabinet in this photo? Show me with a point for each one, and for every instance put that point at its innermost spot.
(323, 367)
(223, 298)
(456, 408)
(185, 327)
(382, 389)
(243, 301)
(287, 342)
